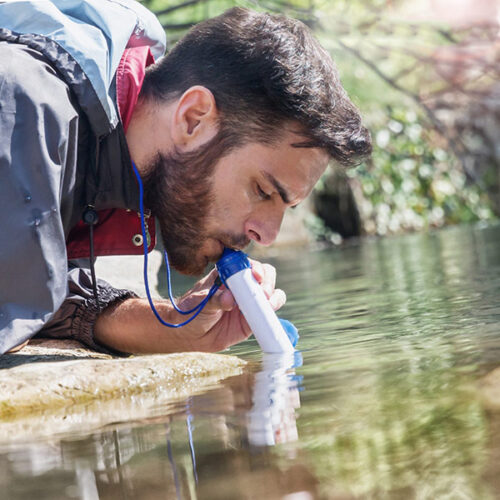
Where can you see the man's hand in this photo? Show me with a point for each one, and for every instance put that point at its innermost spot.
(131, 326)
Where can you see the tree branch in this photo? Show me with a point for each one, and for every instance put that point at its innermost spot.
(440, 127)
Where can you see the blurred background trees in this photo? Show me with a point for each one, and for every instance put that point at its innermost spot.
(426, 77)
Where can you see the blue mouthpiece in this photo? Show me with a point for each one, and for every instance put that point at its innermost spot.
(231, 262)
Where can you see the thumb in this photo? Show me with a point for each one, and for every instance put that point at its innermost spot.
(221, 300)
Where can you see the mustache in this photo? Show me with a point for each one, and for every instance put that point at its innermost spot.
(234, 241)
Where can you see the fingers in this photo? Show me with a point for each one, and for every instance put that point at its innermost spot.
(221, 300)
(277, 299)
(265, 274)
(257, 270)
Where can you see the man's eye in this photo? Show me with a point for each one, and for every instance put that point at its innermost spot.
(262, 194)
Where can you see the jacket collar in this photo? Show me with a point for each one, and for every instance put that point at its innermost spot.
(129, 78)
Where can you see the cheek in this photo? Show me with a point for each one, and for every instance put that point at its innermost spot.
(233, 201)
(233, 206)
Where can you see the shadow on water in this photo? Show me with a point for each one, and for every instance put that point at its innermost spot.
(395, 335)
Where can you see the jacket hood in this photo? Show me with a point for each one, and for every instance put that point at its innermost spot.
(94, 33)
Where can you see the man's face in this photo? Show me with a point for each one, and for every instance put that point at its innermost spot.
(209, 203)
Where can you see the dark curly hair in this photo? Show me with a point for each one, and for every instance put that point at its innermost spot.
(264, 70)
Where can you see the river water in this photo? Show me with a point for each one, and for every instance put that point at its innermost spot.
(381, 402)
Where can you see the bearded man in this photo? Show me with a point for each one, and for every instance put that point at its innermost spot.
(228, 130)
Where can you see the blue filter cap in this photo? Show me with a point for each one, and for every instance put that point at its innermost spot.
(231, 262)
(290, 330)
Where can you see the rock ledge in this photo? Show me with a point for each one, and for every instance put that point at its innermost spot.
(52, 380)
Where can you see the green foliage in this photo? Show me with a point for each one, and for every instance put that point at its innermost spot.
(413, 182)
(419, 116)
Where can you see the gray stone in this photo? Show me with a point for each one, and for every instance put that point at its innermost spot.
(59, 386)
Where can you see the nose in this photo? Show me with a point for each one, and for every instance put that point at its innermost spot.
(263, 229)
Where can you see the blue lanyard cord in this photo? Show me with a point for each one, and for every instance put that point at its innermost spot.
(197, 309)
(212, 290)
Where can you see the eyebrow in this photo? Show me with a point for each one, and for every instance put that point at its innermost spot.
(281, 190)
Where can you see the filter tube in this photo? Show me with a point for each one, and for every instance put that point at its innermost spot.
(236, 273)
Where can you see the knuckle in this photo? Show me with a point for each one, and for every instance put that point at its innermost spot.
(269, 269)
(278, 298)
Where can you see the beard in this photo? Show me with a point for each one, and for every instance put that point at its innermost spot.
(178, 189)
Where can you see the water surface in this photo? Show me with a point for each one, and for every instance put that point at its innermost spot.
(395, 334)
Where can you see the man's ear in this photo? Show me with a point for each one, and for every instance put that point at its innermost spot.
(195, 118)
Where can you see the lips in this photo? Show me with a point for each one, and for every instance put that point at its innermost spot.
(221, 249)
(235, 244)
(216, 255)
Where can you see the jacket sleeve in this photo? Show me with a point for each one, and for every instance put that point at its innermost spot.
(38, 153)
(36, 121)
(76, 317)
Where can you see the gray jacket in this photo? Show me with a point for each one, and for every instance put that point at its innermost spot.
(62, 144)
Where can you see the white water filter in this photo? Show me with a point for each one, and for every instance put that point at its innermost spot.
(236, 273)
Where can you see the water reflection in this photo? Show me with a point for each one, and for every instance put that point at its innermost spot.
(395, 335)
(271, 419)
(225, 432)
